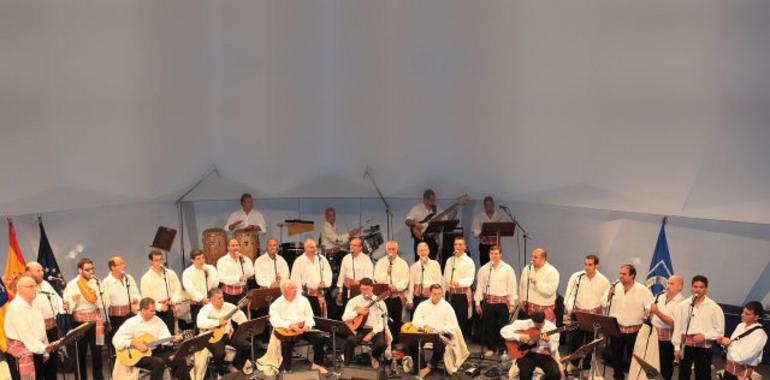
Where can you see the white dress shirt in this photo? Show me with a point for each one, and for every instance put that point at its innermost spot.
(266, 268)
(425, 275)
(330, 238)
(374, 320)
(355, 268)
(197, 284)
(459, 269)
(254, 218)
(747, 350)
(309, 274)
(628, 307)
(707, 319)
(544, 292)
(667, 308)
(480, 219)
(25, 324)
(397, 275)
(135, 327)
(50, 304)
(230, 270)
(208, 317)
(116, 290)
(154, 286)
(500, 282)
(283, 313)
(81, 305)
(589, 291)
(551, 344)
(419, 212)
(439, 316)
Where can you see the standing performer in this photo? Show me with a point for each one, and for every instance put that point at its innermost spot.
(538, 285)
(626, 300)
(28, 346)
(122, 292)
(48, 303)
(234, 270)
(584, 294)
(700, 321)
(496, 299)
(490, 215)
(546, 352)
(211, 317)
(744, 347)
(247, 218)
(662, 311)
(374, 312)
(270, 268)
(329, 236)
(422, 274)
(421, 214)
(394, 271)
(162, 285)
(84, 296)
(355, 266)
(197, 280)
(314, 274)
(459, 273)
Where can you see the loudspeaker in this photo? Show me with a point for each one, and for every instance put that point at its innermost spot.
(164, 238)
(360, 373)
(301, 375)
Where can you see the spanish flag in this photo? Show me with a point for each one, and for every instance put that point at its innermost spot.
(14, 268)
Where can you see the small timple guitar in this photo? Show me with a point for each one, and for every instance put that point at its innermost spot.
(419, 232)
(518, 350)
(360, 319)
(219, 332)
(130, 356)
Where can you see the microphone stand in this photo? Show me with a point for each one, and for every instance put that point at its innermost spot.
(106, 317)
(388, 209)
(687, 328)
(524, 235)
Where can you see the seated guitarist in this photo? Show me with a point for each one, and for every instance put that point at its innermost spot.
(211, 316)
(146, 322)
(543, 354)
(373, 330)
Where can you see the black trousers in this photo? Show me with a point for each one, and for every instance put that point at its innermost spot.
(432, 245)
(622, 348)
(494, 316)
(315, 305)
(483, 254)
(702, 359)
(729, 376)
(317, 341)
(13, 366)
(459, 303)
(168, 318)
(159, 361)
(194, 310)
(51, 365)
(89, 342)
(242, 348)
(395, 310)
(233, 299)
(532, 360)
(354, 340)
(666, 355)
(437, 357)
(578, 338)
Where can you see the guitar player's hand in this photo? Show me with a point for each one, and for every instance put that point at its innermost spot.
(368, 338)
(305, 328)
(222, 322)
(362, 311)
(139, 346)
(178, 338)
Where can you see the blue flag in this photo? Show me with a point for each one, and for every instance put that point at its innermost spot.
(3, 293)
(47, 260)
(660, 267)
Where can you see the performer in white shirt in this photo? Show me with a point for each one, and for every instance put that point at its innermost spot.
(744, 347)
(662, 312)
(585, 290)
(420, 214)
(211, 317)
(538, 285)
(355, 266)
(270, 267)
(435, 315)
(490, 215)
(394, 271)
(28, 345)
(496, 298)
(162, 285)
(197, 280)
(329, 236)
(147, 323)
(292, 311)
(313, 273)
(372, 330)
(700, 321)
(546, 352)
(626, 300)
(246, 218)
(48, 303)
(422, 274)
(459, 273)
(234, 270)
(85, 297)
(122, 292)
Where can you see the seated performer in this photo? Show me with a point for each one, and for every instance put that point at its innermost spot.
(394, 271)
(700, 321)
(422, 275)
(495, 299)
(197, 280)
(546, 352)
(373, 329)
(329, 236)
(48, 303)
(355, 266)
(292, 312)
(147, 323)
(211, 317)
(744, 347)
(434, 316)
(28, 345)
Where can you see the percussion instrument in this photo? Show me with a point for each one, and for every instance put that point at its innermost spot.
(290, 251)
(249, 243)
(214, 244)
(372, 240)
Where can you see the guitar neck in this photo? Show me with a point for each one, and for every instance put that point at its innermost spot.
(158, 342)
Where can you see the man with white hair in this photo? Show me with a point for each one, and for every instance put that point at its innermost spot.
(25, 331)
(48, 304)
(313, 273)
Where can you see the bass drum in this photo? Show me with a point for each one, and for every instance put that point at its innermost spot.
(214, 244)
(290, 252)
(249, 243)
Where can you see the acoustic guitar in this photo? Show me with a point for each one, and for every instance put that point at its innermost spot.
(130, 356)
(355, 323)
(219, 332)
(518, 350)
(419, 232)
(286, 335)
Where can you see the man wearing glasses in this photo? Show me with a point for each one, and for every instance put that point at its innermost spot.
(84, 295)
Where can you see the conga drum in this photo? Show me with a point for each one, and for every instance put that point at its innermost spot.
(249, 243)
(214, 244)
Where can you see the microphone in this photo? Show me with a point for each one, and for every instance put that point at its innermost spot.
(582, 274)
(163, 269)
(694, 298)
(45, 292)
(503, 207)
(615, 283)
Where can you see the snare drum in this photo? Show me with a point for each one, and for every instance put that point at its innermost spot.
(214, 244)
(249, 243)
(372, 241)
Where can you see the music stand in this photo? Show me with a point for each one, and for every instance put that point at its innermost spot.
(250, 328)
(498, 229)
(583, 350)
(334, 327)
(421, 337)
(376, 289)
(263, 297)
(192, 345)
(73, 336)
(440, 226)
(650, 371)
(597, 323)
